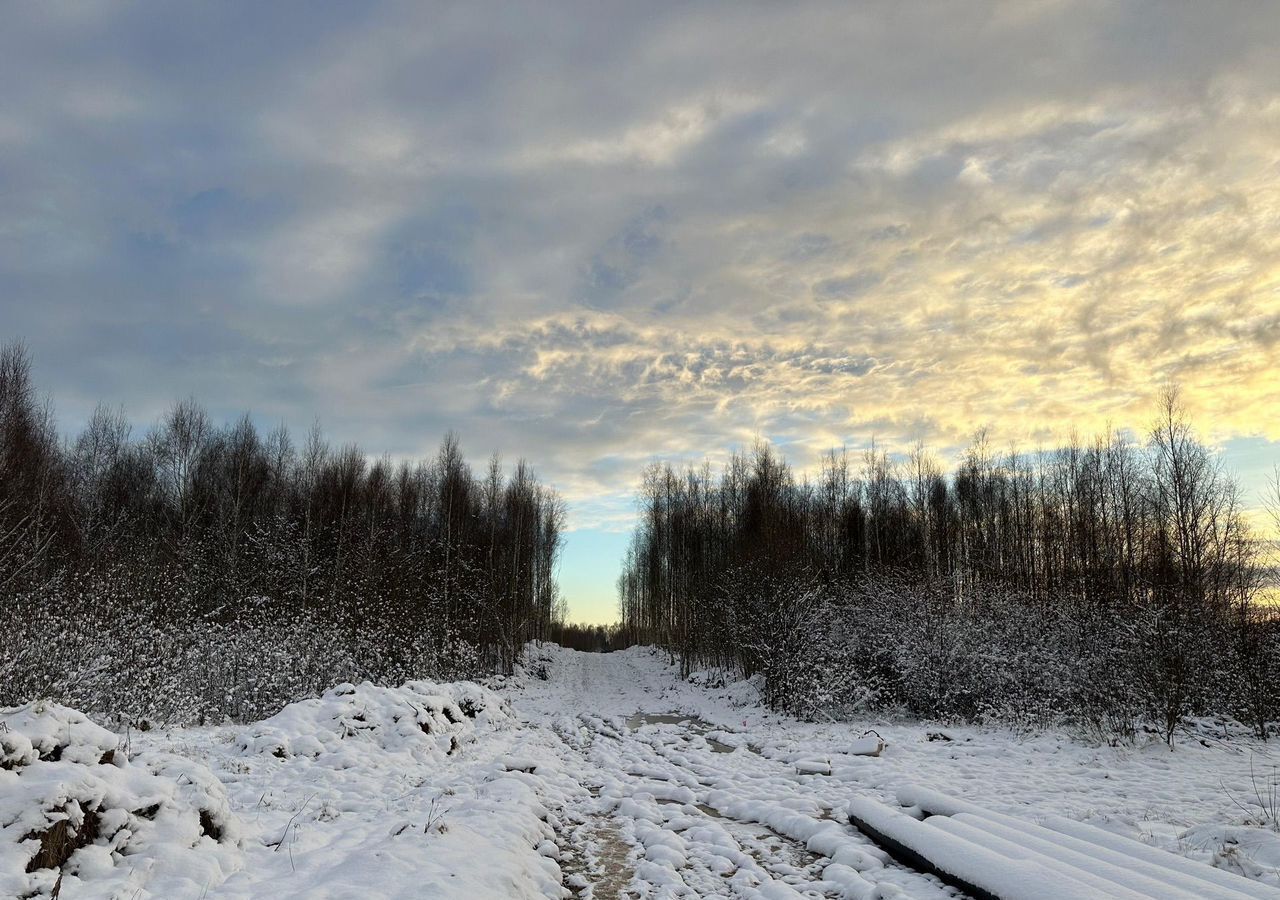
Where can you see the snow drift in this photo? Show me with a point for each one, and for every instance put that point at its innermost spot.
(421, 719)
(74, 809)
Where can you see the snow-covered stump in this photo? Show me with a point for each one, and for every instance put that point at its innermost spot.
(869, 744)
(813, 767)
(75, 811)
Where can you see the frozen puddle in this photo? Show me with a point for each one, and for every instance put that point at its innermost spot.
(700, 807)
(693, 724)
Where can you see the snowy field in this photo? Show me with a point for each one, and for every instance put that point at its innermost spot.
(590, 775)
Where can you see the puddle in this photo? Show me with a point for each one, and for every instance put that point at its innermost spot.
(693, 724)
(639, 720)
(700, 807)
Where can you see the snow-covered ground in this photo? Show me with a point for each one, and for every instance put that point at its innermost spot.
(587, 775)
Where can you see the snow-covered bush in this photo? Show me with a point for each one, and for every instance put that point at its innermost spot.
(93, 645)
(75, 808)
(894, 643)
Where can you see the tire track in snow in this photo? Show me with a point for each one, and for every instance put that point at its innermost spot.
(784, 861)
(696, 821)
(597, 862)
(662, 754)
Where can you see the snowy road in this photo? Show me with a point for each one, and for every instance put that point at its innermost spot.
(699, 792)
(697, 810)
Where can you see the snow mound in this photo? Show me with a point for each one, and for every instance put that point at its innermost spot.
(421, 719)
(1243, 850)
(1013, 857)
(76, 812)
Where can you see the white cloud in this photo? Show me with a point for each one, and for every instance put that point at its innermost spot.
(594, 235)
(322, 256)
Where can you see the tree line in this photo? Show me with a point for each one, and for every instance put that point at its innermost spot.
(199, 571)
(591, 638)
(1113, 581)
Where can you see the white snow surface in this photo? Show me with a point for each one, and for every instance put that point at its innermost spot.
(160, 823)
(611, 777)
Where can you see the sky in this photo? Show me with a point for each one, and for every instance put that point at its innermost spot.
(595, 234)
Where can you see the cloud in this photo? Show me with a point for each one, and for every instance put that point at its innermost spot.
(595, 236)
(655, 143)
